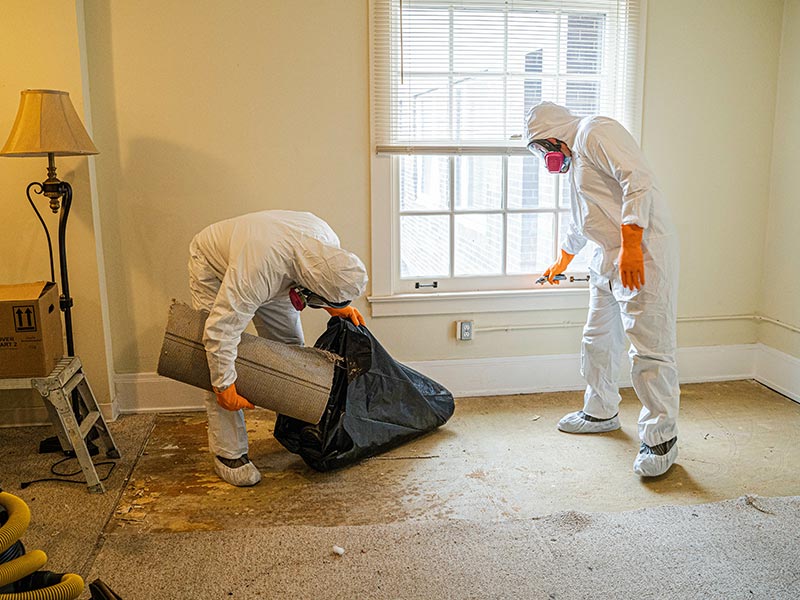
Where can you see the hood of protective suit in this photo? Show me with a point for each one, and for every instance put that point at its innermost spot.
(332, 272)
(549, 120)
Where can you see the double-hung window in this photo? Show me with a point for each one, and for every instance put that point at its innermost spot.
(460, 206)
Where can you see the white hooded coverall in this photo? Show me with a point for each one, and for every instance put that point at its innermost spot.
(241, 270)
(613, 185)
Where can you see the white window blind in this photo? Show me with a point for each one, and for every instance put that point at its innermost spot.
(458, 76)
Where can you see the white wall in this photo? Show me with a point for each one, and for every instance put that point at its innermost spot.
(710, 88)
(780, 286)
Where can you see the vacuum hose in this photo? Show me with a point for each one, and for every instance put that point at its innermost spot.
(15, 565)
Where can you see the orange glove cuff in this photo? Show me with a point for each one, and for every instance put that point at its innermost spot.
(566, 258)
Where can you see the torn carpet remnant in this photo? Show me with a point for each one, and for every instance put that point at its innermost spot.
(290, 380)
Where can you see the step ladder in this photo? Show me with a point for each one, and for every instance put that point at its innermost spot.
(56, 389)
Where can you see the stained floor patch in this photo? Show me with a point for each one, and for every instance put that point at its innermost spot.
(499, 458)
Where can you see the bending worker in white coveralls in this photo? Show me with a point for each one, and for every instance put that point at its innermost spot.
(633, 276)
(263, 267)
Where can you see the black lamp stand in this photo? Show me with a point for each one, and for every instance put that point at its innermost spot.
(60, 195)
(55, 190)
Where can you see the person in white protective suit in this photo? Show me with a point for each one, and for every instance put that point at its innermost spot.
(262, 267)
(633, 276)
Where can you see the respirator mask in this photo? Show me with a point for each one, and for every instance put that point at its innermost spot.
(554, 159)
(302, 297)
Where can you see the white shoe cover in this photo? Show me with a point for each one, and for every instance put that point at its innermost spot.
(653, 465)
(243, 476)
(575, 423)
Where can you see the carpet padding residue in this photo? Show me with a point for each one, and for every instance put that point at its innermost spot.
(745, 548)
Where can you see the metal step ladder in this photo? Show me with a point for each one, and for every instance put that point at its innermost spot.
(56, 389)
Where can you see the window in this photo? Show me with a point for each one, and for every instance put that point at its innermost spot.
(459, 204)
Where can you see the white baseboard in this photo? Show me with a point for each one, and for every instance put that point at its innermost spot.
(24, 416)
(778, 371)
(502, 376)
(548, 373)
(149, 392)
(33, 413)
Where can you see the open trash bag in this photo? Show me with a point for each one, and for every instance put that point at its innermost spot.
(376, 403)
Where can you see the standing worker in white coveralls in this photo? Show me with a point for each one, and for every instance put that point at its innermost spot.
(263, 267)
(633, 276)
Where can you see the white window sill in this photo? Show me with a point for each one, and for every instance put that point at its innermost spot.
(448, 303)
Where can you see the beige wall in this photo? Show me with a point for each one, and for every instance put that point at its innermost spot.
(710, 85)
(223, 109)
(228, 108)
(40, 43)
(781, 284)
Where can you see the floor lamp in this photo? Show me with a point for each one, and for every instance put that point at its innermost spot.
(47, 125)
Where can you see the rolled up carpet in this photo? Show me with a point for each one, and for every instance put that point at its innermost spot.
(291, 380)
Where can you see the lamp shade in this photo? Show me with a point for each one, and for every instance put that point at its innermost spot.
(47, 123)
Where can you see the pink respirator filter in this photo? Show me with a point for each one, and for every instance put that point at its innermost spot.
(554, 161)
(297, 300)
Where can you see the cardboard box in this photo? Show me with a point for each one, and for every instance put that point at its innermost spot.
(30, 330)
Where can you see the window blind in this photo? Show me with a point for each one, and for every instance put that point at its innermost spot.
(458, 76)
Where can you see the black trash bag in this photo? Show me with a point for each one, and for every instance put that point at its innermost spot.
(376, 403)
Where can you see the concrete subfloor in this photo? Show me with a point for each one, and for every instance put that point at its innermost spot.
(498, 459)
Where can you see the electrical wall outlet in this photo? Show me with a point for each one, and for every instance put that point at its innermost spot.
(464, 330)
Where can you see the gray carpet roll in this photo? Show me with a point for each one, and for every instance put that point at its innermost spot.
(291, 380)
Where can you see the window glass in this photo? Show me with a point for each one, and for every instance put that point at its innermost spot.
(565, 191)
(479, 182)
(531, 240)
(478, 41)
(423, 109)
(478, 244)
(584, 39)
(425, 246)
(424, 183)
(475, 115)
(426, 43)
(529, 183)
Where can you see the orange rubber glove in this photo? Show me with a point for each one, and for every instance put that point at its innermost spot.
(348, 312)
(558, 267)
(631, 260)
(229, 399)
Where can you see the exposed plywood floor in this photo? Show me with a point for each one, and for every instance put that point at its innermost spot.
(498, 459)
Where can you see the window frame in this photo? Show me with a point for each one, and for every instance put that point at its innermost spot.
(391, 295)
